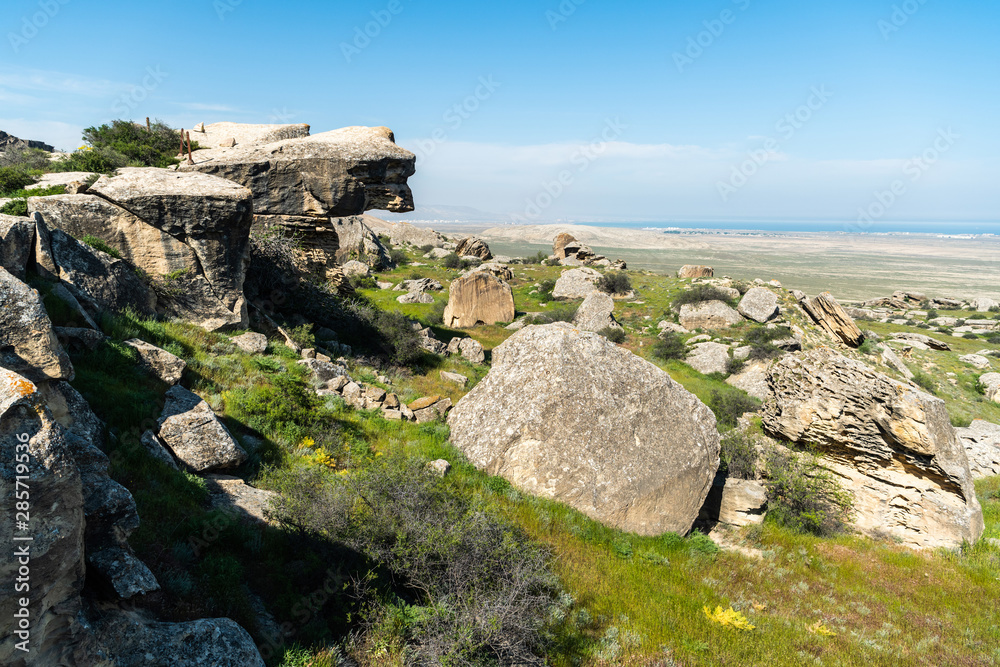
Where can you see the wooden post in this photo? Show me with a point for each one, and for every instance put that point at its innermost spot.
(190, 159)
(180, 151)
(148, 128)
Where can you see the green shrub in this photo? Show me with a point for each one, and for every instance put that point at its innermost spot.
(742, 286)
(537, 258)
(13, 179)
(451, 261)
(155, 147)
(98, 244)
(970, 336)
(730, 405)
(97, 160)
(545, 288)
(363, 282)
(303, 335)
(476, 589)
(868, 347)
(424, 249)
(993, 338)
(761, 341)
(669, 346)
(614, 282)
(932, 314)
(700, 293)
(925, 382)
(398, 257)
(18, 207)
(614, 334)
(26, 159)
(738, 456)
(803, 495)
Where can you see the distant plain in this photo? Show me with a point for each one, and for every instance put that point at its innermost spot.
(853, 267)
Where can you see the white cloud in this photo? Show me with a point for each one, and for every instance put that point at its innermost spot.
(198, 106)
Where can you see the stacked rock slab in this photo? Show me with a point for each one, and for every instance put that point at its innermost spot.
(305, 185)
(893, 446)
(478, 298)
(695, 271)
(567, 415)
(832, 318)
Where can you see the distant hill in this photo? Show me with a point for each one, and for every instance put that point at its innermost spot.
(445, 215)
(9, 141)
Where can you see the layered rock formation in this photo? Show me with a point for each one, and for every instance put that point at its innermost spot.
(695, 271)
(708, 315)
(832, 318)
(982, 445)
(314, 186)
(567, 415)
(473, 247)
(892, 445)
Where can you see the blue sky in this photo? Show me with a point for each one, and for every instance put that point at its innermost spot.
(656, 111)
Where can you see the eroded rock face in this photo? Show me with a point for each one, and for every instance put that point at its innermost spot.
(695, 271)
(982, 444)
(98, 281)
(56, 529)
(737, 502)
(990, 382)
(708, 315)
(596, 313)
(759, 304)
(195, 435)
(28, 343)
(567, 415)
(892, 445)
(576, 283)
(559, 244)
(709, 358)
(832, 318)
(339, 173)
(479, 298)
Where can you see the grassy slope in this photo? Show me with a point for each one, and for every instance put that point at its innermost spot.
(887, 605)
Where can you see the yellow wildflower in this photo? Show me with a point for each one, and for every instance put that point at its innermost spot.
(728, 617)
(818, 628)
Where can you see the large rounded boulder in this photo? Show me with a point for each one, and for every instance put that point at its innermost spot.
(565, 414)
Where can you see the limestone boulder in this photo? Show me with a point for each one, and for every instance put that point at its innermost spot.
(195, 435)
(479, 298)
(419, 285)
(469, 348)
(356, 268)
(233, 495)
(982, 444)
(977, 360)
(473, 247)
(501, 271)
(333, 174)
(695, 271)
(832, 318)
(753, 380)
(246, 134)
(759, 304)
(708, 315)
(736, 502)
(132, 639)
(415, 297)
(892, 446)
(158, 362)
(251, 342)
(709, 358)
(990, 382)
(358, 242)
(17, 242)
(28, 343)
(596, 313)
(576, 283)
(566, 415)
(559, 244)
(984, 304)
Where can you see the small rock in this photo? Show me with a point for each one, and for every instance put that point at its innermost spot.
(454, 377)
(440, 467)
(415, 297)
(251, 342)
(164, 365)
